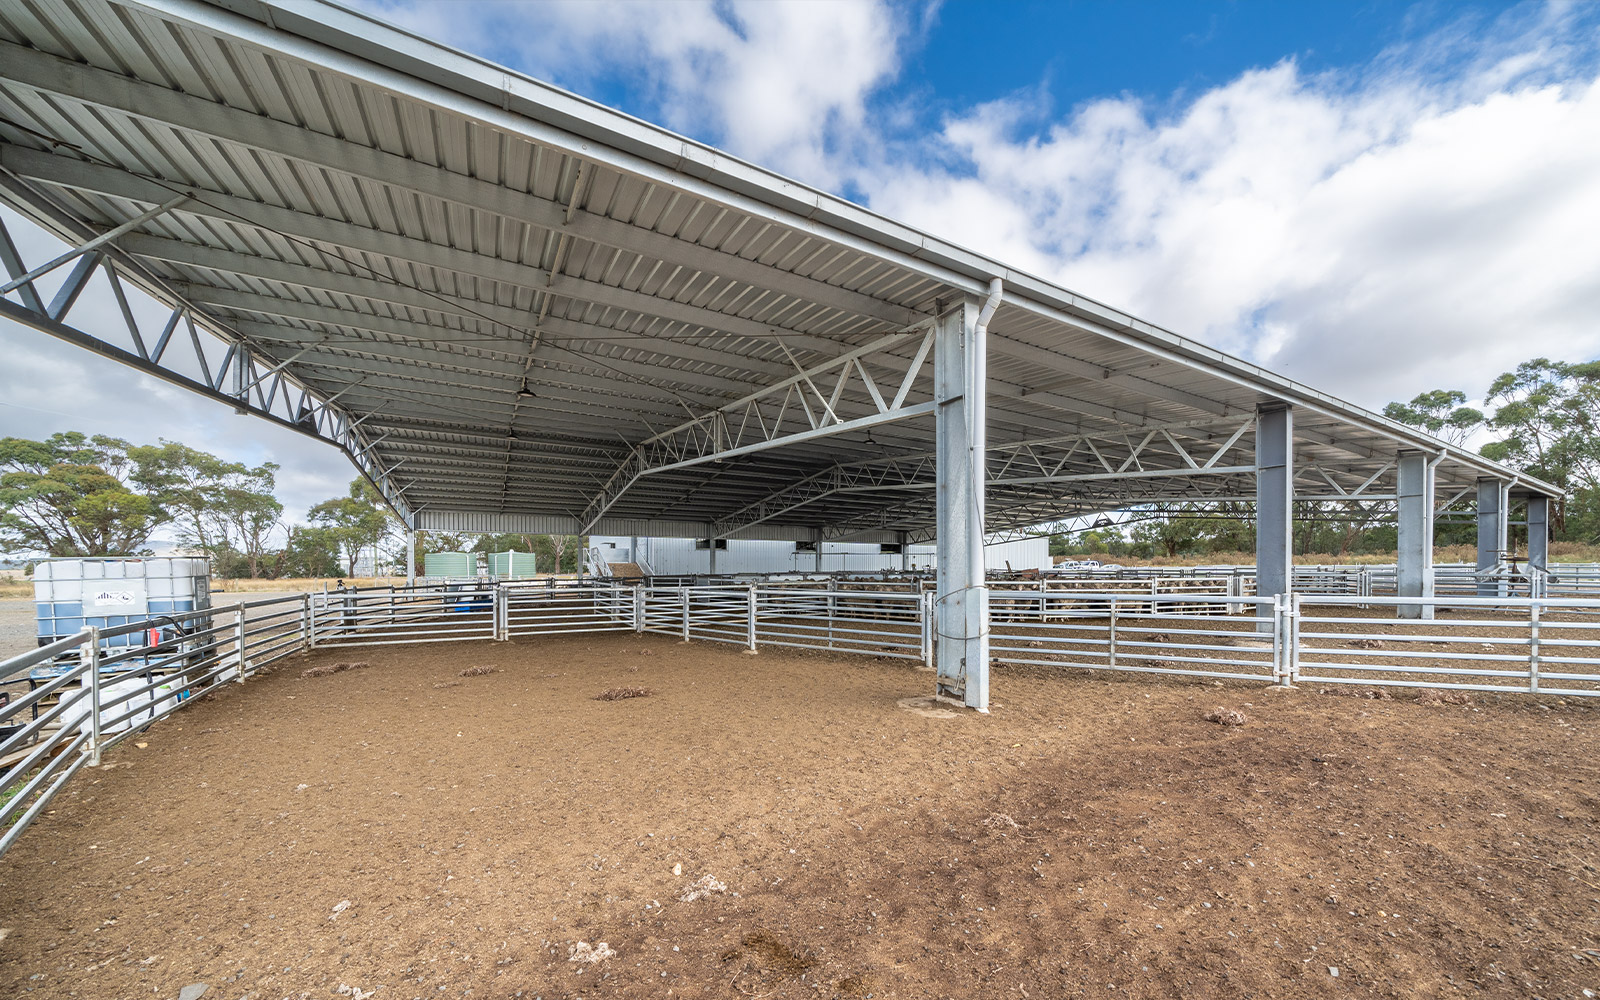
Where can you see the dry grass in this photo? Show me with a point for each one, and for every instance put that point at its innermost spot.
(306, 585)
(617, 694)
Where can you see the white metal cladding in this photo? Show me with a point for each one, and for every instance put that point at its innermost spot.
(491, 294)
(667, 556)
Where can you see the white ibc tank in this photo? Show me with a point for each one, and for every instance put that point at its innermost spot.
(71, 593)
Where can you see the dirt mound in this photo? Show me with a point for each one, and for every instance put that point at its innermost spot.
(1226, 716)
(619, 693)
(329, 669)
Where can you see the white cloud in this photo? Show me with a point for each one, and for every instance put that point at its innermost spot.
(1375, 236)
(784, 83)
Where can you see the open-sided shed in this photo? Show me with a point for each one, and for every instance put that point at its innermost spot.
(516, 310)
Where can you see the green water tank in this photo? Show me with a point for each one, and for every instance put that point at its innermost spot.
(450, 564)
(511, 565)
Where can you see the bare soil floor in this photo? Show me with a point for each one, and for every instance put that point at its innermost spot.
(407, 830)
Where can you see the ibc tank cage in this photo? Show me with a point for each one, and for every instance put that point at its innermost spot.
(70, 594)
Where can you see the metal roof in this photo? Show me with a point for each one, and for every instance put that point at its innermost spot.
(519, 310)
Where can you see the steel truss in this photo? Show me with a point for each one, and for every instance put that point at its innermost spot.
(802, 407)
(188, 343)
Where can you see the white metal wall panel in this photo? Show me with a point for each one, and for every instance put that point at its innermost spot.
(681, 557)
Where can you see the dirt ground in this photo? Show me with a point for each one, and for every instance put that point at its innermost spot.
(417, 833)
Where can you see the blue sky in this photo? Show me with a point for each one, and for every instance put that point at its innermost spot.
(1160, 50)
(1374, 198)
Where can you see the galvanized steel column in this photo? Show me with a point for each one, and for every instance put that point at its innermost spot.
(962, 610)
(1491, 533)
(1538, 535)
(1274, 502)
(1414, 531)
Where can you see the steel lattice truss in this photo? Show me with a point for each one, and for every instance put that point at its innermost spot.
(519, 311)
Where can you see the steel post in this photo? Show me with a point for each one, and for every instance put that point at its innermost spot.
(750, 610)
(1414, 533)
(239, 644)
(1274, 501)
(91, 653)
(1538, 544)
(1533, 647)
(1111, 636)
(963, 596)
(1491, 535)
(308, 625)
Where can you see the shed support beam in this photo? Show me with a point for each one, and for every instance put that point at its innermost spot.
(1274, 502)
(1414, 531)
(1492, 503)
(1538, 536)
(962, 610)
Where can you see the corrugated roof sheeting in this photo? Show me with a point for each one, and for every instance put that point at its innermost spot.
(427, 236)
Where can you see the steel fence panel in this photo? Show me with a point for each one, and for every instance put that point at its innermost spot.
(556, 610)
(886, 623)
(439, 613)
(1155, 633)
(1497, 644)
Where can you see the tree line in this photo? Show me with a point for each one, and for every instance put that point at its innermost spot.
(80, 495)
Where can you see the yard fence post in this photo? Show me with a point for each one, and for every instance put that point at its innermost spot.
(1286, 633)
(638, 607)
(311, 622)
(1295, 615)
(1280, 642)
(502, 613)
(683, 592)
(833, 607)
(750, 624)
(91, 654)
(1111, 635)
(239, 643)
(928, 636)
(1533, 647)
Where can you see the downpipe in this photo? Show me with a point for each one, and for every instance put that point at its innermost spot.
(978, 429)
